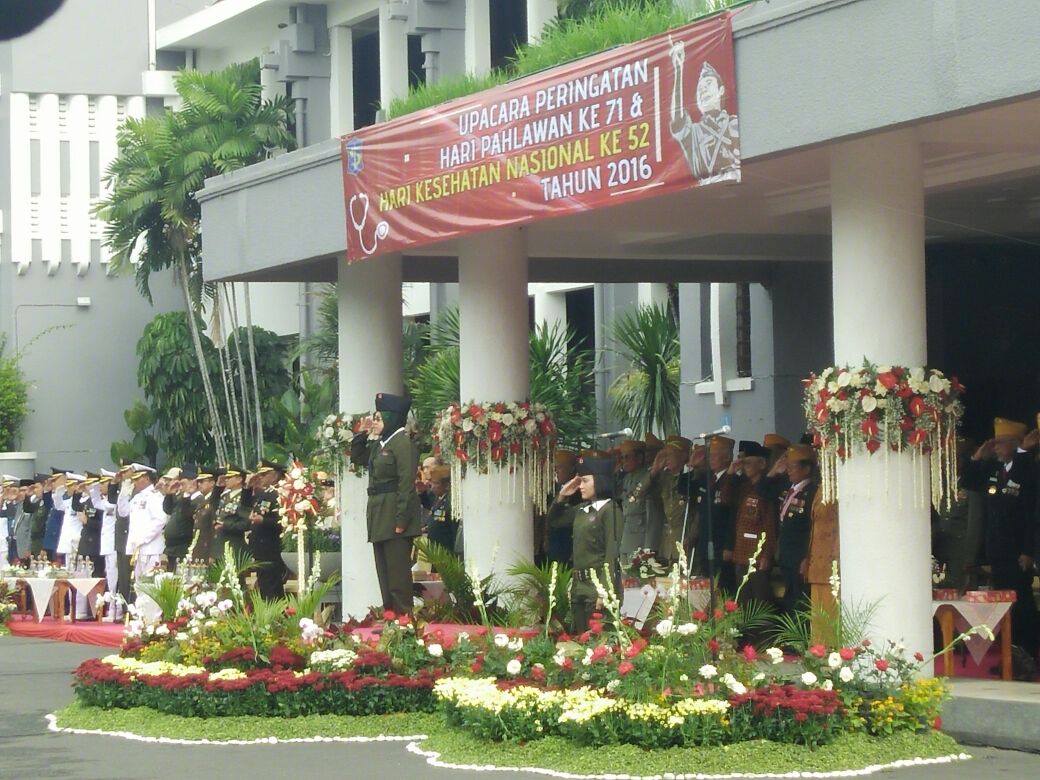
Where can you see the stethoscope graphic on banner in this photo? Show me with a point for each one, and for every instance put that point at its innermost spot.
(360, 219)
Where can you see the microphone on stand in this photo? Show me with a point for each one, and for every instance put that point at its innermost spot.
(719, 432)
(615, 434)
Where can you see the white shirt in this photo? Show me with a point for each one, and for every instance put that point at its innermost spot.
(108, 520)
(147, 520)
(595, 506)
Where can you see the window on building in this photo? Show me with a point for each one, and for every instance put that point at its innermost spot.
(95, 169)
(34, 166)
(65, 167)
(508, 22)
(416, 62)
(366, 79)
(743, 305)
(707, 363)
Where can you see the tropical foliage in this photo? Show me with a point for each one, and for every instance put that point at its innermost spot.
(142, 446)
(14, 398)
(646, 395)
(152, 215)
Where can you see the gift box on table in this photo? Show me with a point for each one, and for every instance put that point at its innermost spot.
(990, 596)
(945, 594)
(699, 583)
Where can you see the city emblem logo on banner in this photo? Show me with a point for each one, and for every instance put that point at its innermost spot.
(355, 162)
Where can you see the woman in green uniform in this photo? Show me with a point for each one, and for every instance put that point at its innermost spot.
(386, 449)
(596, 527)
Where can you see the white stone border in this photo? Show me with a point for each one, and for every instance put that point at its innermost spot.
(52, 725)
(433, 759)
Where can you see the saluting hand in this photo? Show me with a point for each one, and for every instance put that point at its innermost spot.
(570, 488)
(985, 450)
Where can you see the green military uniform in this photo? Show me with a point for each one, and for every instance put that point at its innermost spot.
(597, 528)
(233, 515)
(673, 504)
(265, 540)
(179, 528)
(37, 524)
(392, 502)
(205, 512)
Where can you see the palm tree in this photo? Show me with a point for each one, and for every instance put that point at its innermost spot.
(151, 213)
(646, 396)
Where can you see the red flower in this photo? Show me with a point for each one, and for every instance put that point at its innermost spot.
(625, 667)
(847, 653)
(906, 424)
(881, 664)
(873, 445)
(596, 616)
(919, 656)
(818, 650)
(388, 615)
(731, 605)
(537, 673)
(404, 620)
(718, 614)
(568, 664)
(937, 723)
(869, 426)
(700, 615)
(749, 653)
(888, 380)
(600, 652)
(595, 627)
(820, 412)
(495, 431)
(713, 645)
(477, 665)
(917, 406)
(290, 611)
(917, 437)
(476, 411)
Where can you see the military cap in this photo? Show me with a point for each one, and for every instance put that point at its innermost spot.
(632, 447)
(564, 457)
(653, 444)
(189, 471)
(206, 472)
(440, 473)
(41, 477)
(722, 444)
(26, 482)
(752, 449)
(388, 402)
(1009, 429)
(231, 470)
(680, 443)
(801, 452)
(772, 440)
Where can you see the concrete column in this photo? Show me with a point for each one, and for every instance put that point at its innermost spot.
(341, 82)
(370, 349)
(877, 220)
(478, 37)
(652, 294)
(393, 57)
(494, 366)
(539, 13)
(550, 308)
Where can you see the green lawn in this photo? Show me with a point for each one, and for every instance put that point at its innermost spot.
(853, 751)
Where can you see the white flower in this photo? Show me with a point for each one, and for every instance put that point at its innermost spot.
(937, 384)
(834, 660)
(516, 644)
(758, 677)
(686, 629)
(664, 627)
(707, 671)
(869, 403)
(162, 630)
(501, 640)
(181, 636)
(435, 650)
(530, 426)
(808, 678)
(467, 425)
(508, 419)
(844, 378)
(513, 667)
(560, 658)
(296, 473)
(299, 484)
(827, 685)
(613, 684)
(330, 432)
(303, 506)
(684, 678)
(225, 605)
(462, 637)
(846, 675)
(776, 655)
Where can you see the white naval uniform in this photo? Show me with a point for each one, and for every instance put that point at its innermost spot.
(145, 537)
(108, 543)
(71, 526)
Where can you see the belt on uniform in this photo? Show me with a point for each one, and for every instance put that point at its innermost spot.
(379, 490)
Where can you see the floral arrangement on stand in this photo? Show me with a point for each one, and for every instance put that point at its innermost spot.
(300, 506)
(888, 408)
(517, 439)
(334, 435)
(644, 566)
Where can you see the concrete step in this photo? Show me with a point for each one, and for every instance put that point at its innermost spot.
(994, 713)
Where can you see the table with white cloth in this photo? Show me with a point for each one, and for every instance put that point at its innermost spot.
(960, 615)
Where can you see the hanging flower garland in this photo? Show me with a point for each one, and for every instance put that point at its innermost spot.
(888, 408)
(513, 438)
(299, 506)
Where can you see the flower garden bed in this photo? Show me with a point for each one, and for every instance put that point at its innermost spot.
(685, 691)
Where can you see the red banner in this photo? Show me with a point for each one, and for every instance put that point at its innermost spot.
(633, 122)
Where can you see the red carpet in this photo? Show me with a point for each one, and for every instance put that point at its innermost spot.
(85, 633)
